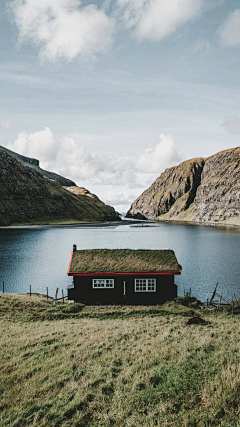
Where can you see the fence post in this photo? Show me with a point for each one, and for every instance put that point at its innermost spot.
(30, 290)
(236, 300)
(62, 296)
(54, 301)
(3, 287)
(47, 292)
(219, 301)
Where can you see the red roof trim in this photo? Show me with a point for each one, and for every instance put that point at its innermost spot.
(135, 273)
(70, 264)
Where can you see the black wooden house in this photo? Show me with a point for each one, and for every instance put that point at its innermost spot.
(122, 276)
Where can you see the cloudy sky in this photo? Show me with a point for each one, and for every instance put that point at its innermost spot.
(112, 92)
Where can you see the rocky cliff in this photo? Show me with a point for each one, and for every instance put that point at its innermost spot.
(34, 164)
(27, 196)
(198, 190)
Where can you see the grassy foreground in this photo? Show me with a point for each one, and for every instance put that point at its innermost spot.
(117, 366)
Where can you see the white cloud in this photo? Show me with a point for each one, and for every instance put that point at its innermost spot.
(232, 125)
(158, 158)
(156, 19)
(66, 157)
(62, 28)
(41, 145)
(120, 198)
(230, 30)
(66, 29)
(116, 180)
(5, 125)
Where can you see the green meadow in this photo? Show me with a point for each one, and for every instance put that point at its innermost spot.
(76, 366)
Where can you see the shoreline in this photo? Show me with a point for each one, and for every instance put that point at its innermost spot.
(182, 222)
(72, 224)
(127, 221)
(203, 224)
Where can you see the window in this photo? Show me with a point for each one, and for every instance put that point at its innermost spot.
(103, 283)
(145, 285)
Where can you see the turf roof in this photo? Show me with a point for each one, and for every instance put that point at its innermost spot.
(123, 260)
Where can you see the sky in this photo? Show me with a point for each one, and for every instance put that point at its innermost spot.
(110, 93)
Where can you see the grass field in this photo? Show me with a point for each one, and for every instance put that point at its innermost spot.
(117, 366)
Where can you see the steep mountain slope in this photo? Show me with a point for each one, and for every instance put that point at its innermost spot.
(28, 197)
(34, 164)
(218, 196)
(198, 190)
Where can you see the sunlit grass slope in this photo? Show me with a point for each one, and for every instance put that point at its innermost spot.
(116, 366)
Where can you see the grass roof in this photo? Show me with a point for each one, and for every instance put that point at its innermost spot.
(123, 260)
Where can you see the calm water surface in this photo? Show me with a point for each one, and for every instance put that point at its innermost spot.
(40, 256)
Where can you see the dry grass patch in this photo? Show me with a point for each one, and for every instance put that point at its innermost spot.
(124, 260)
(142, 368)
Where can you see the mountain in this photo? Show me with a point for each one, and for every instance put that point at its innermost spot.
(34, 164)
(202, 190)
(30, 195)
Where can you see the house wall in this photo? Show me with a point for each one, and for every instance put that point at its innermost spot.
(83, 291)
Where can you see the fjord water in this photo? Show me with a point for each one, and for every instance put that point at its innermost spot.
(39, 256)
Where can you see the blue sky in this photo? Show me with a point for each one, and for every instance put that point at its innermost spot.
(110, 93)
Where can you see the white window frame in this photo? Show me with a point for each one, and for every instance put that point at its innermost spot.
(149, 284)
(103, 283)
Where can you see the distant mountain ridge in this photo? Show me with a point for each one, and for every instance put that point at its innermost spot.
(202, 190)
(29, 195)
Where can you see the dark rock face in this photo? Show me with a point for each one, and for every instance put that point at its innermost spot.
(34, 164)
(198, 190)
(218, 196)
(171, 193)
(28, 197)
(137, 215)
(24, 159)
